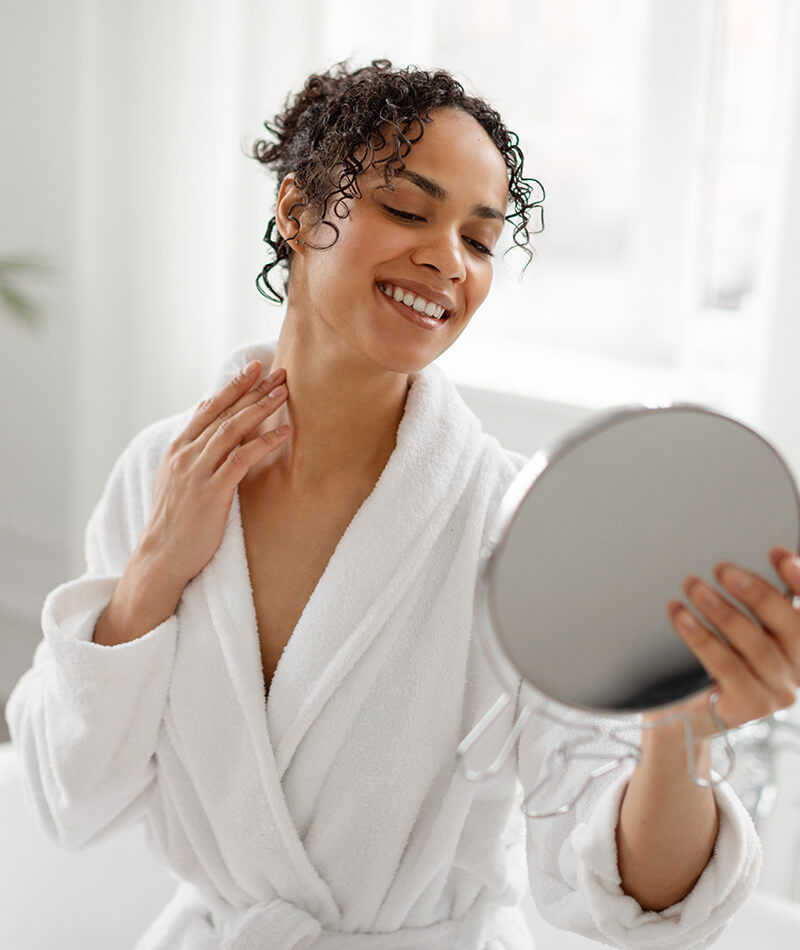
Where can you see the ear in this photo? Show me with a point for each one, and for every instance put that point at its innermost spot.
(289, 210)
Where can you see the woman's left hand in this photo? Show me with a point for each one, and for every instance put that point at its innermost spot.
(759, 672)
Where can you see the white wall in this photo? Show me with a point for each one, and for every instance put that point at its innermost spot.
(37, 388)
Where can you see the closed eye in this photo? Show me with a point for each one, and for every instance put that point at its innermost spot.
(480, 248)
(405, 216)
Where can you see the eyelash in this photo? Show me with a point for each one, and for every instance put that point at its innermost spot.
(405, 216)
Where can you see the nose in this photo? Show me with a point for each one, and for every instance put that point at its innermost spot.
(445, 254)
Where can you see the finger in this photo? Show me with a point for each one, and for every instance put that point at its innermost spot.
(243, 457)
(232, 430)
(725, 666)
(761, 651)
(787, 565)
(771, 607)
(777, 555)
(210, 408)
(269, 386)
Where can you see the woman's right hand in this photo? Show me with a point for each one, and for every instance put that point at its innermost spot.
(194, 486)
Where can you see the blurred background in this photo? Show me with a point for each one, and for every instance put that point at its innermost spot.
(666, 134)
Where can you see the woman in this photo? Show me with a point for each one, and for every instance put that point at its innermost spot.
(309, 538)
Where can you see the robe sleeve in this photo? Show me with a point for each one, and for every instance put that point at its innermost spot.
(572, 858)
(84, 719)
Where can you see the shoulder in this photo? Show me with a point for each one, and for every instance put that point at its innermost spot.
(143, 453)
(239, 357)
(125, 501)
(500, 468)
(500, 464)
(126, 498)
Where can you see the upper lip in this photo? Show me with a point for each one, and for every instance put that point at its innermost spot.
(422, 291)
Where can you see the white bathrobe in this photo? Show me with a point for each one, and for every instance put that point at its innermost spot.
(334, 815)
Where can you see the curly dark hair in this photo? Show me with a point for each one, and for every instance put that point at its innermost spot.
(328, 135)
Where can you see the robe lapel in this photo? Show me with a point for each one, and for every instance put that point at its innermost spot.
(375, 562)
(376, 559)
(229, 600)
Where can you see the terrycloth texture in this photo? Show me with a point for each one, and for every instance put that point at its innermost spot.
(335, 816)
(579, 886)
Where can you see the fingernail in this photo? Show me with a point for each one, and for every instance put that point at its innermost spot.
(708, 598)
(686, 622)
(791, 568)
(250, 367)
(737, 579)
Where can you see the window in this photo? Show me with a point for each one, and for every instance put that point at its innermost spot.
(650, 126)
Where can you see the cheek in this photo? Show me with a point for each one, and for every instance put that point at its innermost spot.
(479, 287)
(366, 243)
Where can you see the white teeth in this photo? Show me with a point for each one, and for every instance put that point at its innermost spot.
(420, 304)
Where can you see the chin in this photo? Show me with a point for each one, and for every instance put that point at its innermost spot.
(396, 358)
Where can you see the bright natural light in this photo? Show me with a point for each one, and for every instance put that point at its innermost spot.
(656, 178)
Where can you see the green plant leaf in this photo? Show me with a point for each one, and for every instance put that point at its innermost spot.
(25, 262)
(18, 305)
(11, 298)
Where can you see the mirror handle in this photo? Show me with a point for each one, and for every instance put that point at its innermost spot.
(478, 730)
(566, 751)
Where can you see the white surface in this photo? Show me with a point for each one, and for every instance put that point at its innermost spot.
(105, 896)
(96, 899)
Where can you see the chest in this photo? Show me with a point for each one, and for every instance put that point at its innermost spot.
(289, 540)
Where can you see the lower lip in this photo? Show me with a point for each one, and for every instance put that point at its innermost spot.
(413, 316)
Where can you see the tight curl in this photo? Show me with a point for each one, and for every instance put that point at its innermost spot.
(327, 136)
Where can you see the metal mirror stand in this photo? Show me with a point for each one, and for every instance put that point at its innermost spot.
(568, 749)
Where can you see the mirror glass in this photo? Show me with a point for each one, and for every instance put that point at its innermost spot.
(596, 534)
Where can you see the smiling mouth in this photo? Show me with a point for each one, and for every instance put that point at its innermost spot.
(414, 302)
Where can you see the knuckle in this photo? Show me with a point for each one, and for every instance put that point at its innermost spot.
(225, 426)
(206, 404)
(235, 457)
(788, 696)
(176, 464)
(763, 652)
(179, 456)
(765, 708)
(722, 612)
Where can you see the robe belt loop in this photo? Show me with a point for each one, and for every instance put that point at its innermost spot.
(278, 925)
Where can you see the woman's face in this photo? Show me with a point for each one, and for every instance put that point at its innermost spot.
(427, 239)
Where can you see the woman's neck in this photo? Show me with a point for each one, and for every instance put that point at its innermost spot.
(344, 411)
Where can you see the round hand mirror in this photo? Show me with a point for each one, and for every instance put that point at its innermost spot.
(595, 536)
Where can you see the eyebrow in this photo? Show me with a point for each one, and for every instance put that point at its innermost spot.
(435, 190)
